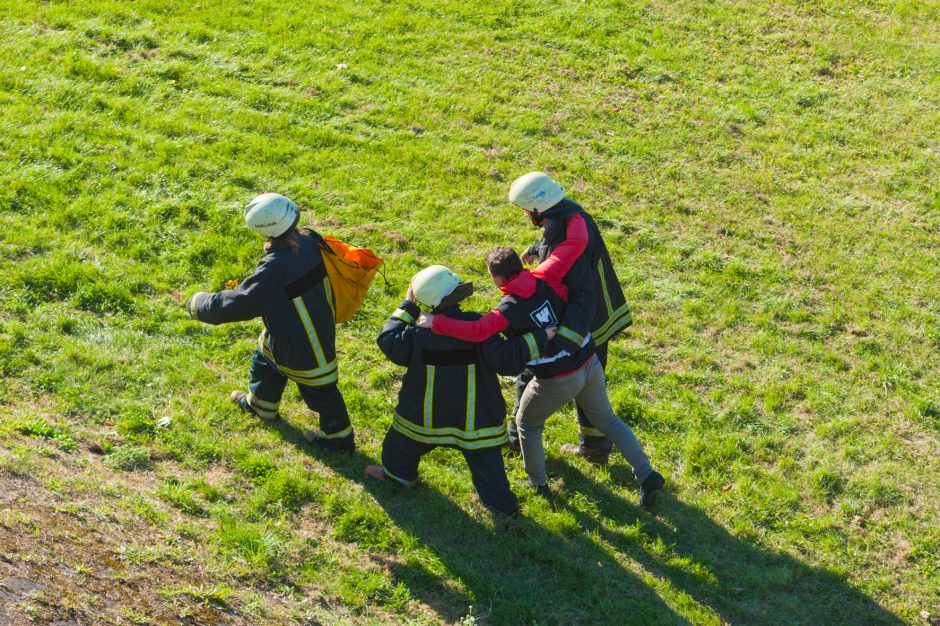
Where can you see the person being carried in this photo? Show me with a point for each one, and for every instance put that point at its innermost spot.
(450, 394)
(291, 293)
(559, 375)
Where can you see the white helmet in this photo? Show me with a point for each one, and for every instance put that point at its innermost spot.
(432, 284)
(271, 214)
(535, 192)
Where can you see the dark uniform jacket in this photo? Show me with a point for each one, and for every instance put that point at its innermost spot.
(450, 394)
(292, 295)
(604, 312)
(530, 303)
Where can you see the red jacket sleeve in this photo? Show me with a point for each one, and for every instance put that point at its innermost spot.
(553, 269)
(466, 330)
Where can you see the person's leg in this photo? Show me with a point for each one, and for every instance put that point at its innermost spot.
(522, 381)
(265, 388)
(489, 478)
(542, 397)
(593, 399)
(592, 444)
(400, 458)
(336, 431)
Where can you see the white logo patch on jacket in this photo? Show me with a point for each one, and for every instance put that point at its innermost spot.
(544, 316)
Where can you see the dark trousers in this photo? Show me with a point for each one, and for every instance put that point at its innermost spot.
(401, 456)
(590, 444)
(266, 383)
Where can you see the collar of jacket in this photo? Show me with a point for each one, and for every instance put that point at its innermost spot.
(522, 285)
(565, 208)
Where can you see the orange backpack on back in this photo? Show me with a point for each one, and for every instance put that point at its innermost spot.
(350, 271)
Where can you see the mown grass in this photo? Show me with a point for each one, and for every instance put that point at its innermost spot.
(766, 178)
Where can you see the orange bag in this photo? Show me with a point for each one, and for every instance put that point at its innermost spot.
(351, 271)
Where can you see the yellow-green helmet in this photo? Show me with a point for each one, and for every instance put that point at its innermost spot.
(435, 283)
(535, 192)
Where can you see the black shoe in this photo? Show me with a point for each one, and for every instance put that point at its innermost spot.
(649, 488)
(346, 445)
(240, 399)
(543, 491)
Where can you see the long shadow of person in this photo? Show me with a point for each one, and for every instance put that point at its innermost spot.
(740, 581)
(343, 462)
(513, 571)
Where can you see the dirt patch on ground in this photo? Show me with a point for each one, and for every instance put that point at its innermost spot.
(65, 567)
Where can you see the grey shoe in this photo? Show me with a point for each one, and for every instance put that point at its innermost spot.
(649, 488)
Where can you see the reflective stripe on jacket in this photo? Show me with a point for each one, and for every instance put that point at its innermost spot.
(291, 293)
(593, 273)
(450, 394)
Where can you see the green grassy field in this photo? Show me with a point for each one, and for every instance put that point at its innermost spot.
(767, 177)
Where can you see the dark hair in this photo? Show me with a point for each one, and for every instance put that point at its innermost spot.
(503, 262)
(288, 238)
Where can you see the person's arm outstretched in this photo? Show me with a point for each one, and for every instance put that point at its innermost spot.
(245, 302)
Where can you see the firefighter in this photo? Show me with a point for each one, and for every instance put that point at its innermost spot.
(450, 394)
(290, 292)
(597, 308)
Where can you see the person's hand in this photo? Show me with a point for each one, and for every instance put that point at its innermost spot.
(410, 294)
(550, 332)
(425, 320)
(528, 257)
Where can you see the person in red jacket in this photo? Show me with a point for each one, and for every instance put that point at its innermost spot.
(597, 304)
(552, 271)
(559, 375)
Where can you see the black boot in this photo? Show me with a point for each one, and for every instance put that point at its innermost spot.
(240, 399)
(649, 488)
(346, 445)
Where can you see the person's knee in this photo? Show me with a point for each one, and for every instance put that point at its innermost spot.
(530, 423)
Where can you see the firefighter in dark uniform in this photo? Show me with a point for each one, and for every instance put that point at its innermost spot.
(291, 293)
(597, 308)
(450, 395)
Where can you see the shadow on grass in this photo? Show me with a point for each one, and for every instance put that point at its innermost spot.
(742, 582)
(342, 462)
(513, 571)
(516, 571)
